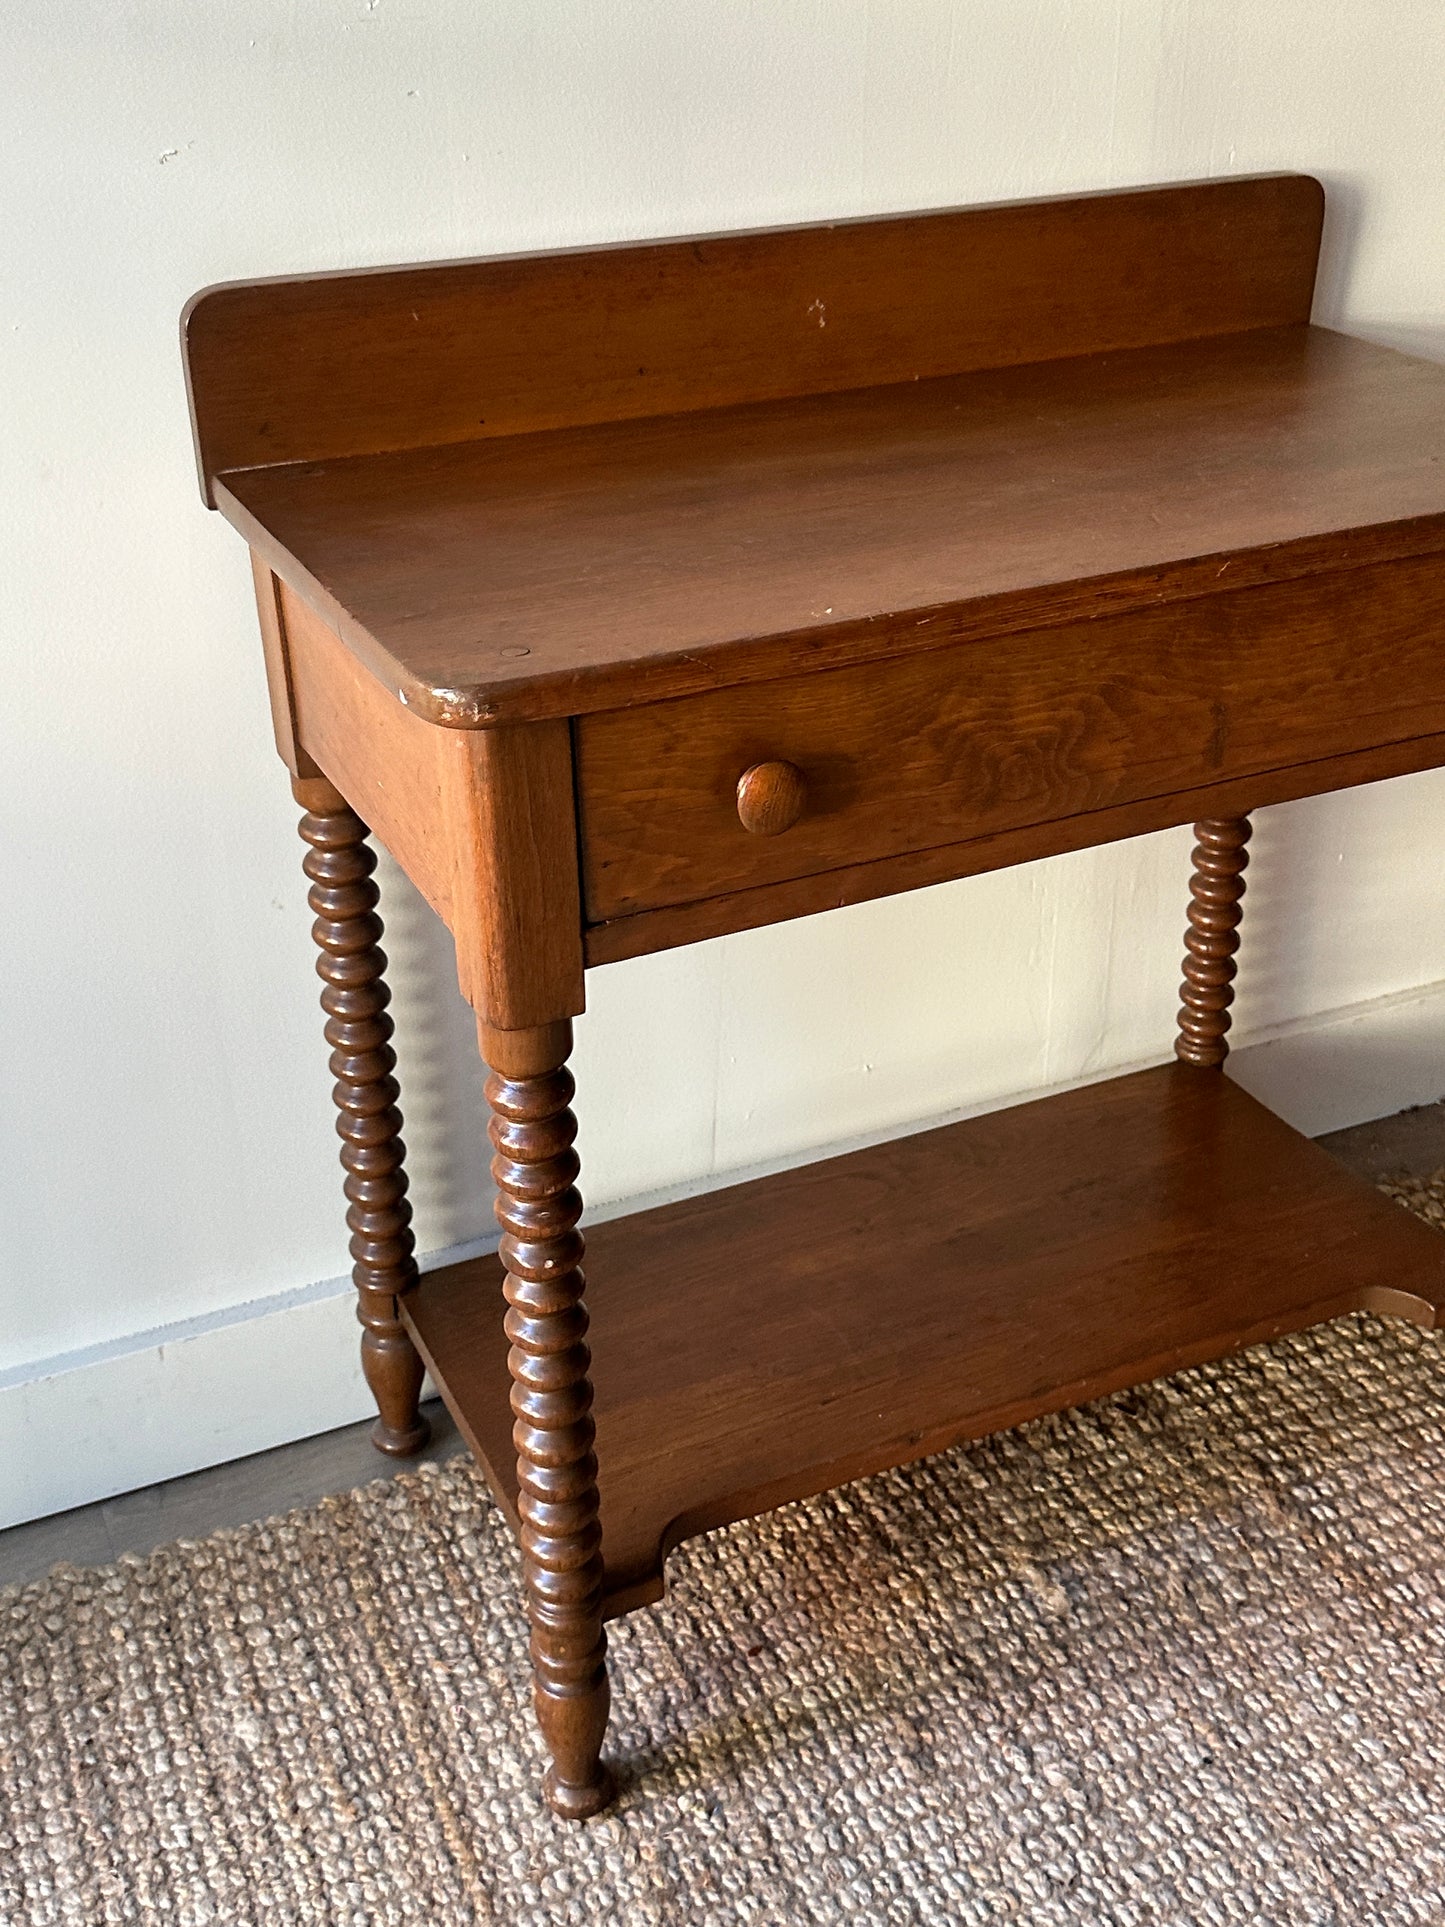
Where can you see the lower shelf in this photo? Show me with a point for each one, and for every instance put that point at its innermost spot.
(779, 1337)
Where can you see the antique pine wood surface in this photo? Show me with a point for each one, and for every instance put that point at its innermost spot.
(859, 882)
(636, 595)
(935, 749)
(314, 366)
(555, 574)
(856, 1313)
(278, 649)
(481, 821)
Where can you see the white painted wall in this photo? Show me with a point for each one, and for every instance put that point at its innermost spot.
(168, 1159)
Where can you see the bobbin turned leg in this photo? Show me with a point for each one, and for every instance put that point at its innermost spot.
(538, 1206)
(339, 863)
(1215, 889)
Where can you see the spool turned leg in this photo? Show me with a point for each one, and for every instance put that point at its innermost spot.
(351, 965)
(1216, 887)
(538, 1206)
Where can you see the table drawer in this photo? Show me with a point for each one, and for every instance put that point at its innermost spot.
(982, 737)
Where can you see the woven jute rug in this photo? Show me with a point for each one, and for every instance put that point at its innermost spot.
(1177, 1657)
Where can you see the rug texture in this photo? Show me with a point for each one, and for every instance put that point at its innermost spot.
(1178, 1657)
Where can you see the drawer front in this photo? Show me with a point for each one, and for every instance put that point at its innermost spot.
(962, 742)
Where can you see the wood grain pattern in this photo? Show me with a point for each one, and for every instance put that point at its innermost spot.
(1048, 1254)
(482, 824)
(516, 866)
(1216, 891)
(272, 620)
(954, 745)
(394, 769)
(352, 968)
(345, 364)
(550, 575)
(770, 797)
(653, 930)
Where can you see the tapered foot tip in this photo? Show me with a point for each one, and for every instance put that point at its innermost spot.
(579, 1802)
(399, 1444)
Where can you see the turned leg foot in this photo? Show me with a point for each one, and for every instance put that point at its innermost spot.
(538, 1206)
(394, 1372)
(352, 968)
(583, 1801)
(1216, 887)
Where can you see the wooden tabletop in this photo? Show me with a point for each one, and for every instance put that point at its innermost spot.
(589, 568)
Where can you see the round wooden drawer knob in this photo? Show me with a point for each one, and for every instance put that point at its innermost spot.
(770, 798)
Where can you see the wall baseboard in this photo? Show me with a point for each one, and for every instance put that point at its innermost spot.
(157, 1404)
(94, 1423)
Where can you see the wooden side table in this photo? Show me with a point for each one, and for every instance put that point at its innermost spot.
(636, 595)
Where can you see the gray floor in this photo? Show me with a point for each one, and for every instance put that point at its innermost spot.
(225, 1495)
(1411, 1141)
(295, 1475)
